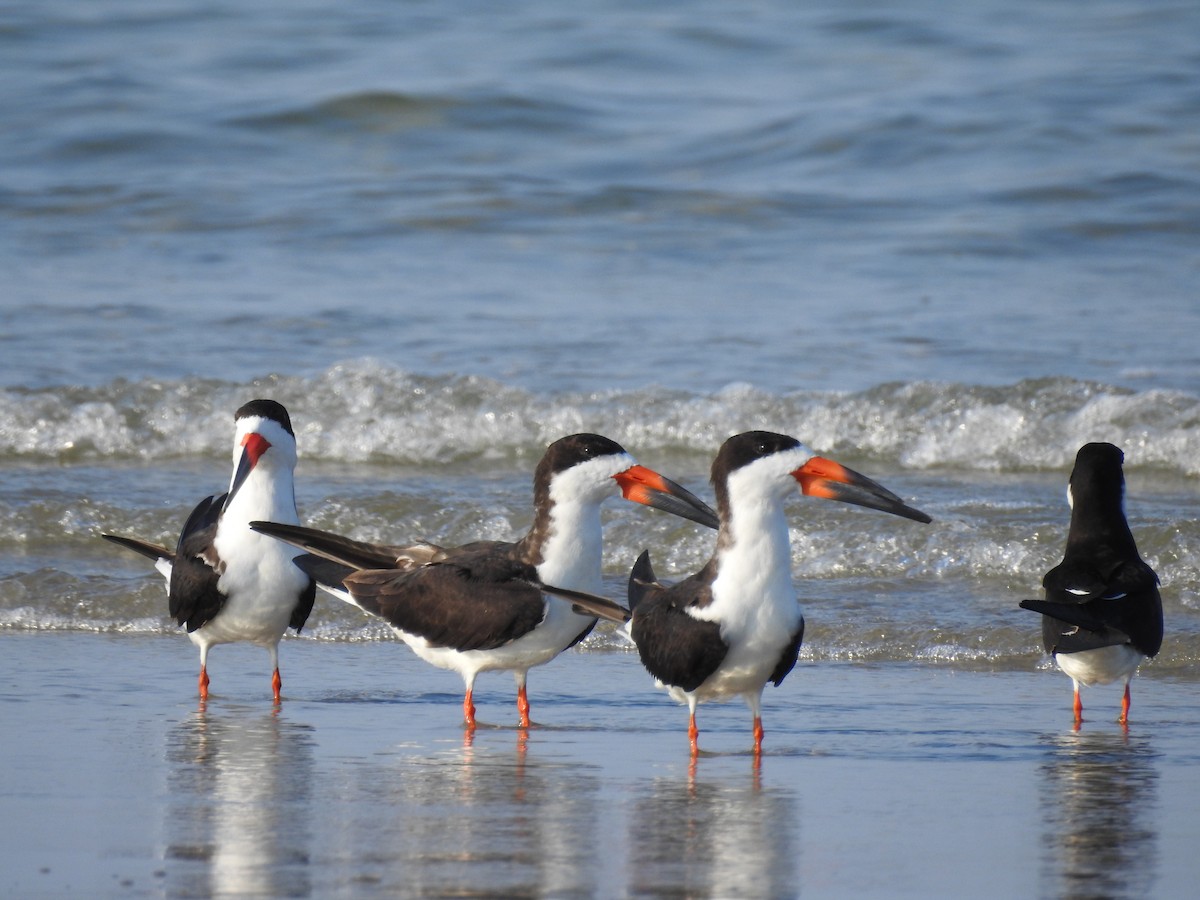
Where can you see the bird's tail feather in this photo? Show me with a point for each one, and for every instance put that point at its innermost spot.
(591, 604)
(145, 548)
(335, 548)
(641, 580)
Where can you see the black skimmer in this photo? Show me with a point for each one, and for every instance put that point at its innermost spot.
(736, 624)
(484, 606)
(226, 583)
(1102, 615)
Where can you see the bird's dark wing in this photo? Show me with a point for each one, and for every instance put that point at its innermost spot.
(676, 648)
(192, 591)
(1075, 615)
(352, 553)
(194, 597)
(474, 599)
(137, 545)
(642, 582)
(590, 604)
(1098, 572)
(1089, 606)
(787, 659)
(304, 606)
(324, 572)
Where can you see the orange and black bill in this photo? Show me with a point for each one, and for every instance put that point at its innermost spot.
(642, 485)
(820, 477)
(254, 445)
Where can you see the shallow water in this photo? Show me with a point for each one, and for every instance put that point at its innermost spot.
(899, 779)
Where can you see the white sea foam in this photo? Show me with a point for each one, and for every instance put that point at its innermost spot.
(390, 456)
(367, 411)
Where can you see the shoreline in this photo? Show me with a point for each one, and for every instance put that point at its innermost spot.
(892, 779)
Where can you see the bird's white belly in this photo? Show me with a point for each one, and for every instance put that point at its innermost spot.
(744, 670)
(259, 620)
(262, 587)
(1101, 666)
(560, 627)
(756, 643)
(756, 605)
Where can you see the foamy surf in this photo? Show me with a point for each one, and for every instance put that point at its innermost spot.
(371, 412)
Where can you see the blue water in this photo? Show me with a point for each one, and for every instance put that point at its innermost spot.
(794, 195)
(947, 245)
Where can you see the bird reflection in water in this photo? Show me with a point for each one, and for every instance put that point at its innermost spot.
(480, 820)
(1099, 799)
(239, 801)
(696, 838)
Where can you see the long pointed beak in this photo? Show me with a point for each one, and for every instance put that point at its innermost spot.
(820, 477)
(642, 485)
(253, 446)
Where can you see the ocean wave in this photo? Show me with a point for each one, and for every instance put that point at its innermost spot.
(366, 411)
(386, 112)
(367, 111)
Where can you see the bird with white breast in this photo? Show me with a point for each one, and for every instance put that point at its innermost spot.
(225, 583)
(497, 605)
(736, 624)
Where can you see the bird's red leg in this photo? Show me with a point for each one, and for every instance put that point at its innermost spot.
(758, 736)
(523, 706)
(276, 684)
(1124, 720)
(1078, 708)
(469, 709)
(203, 683)
(693, 734)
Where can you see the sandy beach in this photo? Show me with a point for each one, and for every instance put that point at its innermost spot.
(895, 780)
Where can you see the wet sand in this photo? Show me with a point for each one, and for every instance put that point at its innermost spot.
(896, 780)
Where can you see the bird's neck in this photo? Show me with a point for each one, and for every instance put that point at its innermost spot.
(754, 544)
(571, 546)
(266, 499)
(1094, 525)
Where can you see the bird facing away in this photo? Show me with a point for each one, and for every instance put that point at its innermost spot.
(1102, 613)
(490, 605)
(736, 624)
(225, 582)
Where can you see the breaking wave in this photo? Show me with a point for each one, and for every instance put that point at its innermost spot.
(366, 411)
